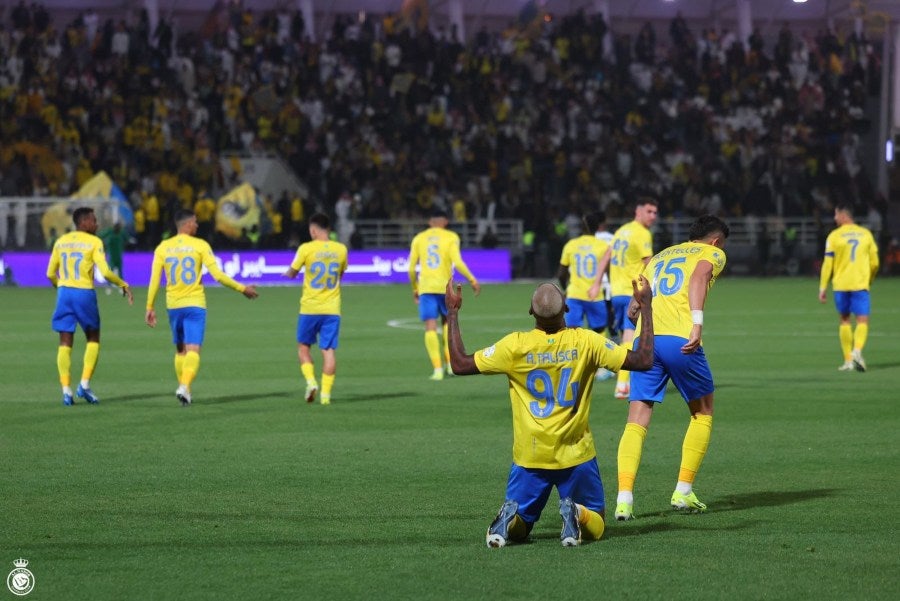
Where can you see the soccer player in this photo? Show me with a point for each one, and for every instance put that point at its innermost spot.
(435, 252)
(324, 262)
(577, 271)
(606, 236)
(680, 277)
(182, 257)
(71, 271)
(851, 262)
(630, 251)
(551, 373)
(115, 239)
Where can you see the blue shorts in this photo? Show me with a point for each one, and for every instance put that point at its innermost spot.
(530, 487)
(188, 325)
(856, 302)
(432, 306)
(326, 327)
(620, 313)
(689, 373)
(595, 311)
(75, 306)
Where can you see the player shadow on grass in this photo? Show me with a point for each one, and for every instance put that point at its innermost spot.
(768, 498)
(353, 398)
(124, 398)
(358, 398)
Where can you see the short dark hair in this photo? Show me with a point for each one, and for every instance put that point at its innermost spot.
(593, 220)
(646, 200)
(438, 212)
(321, 220)
(708, 224)
(182, 215)
(81, 213)
(844, 205)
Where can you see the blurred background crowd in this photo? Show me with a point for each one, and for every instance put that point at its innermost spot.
(542, 121)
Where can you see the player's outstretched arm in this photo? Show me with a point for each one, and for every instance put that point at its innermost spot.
(641, 359)
(562, 274)
(825, 276)
(594, 291)
(698, 287)
(250, 292)
(462, 363)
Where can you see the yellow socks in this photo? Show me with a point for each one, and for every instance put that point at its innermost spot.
(845, 332)
(860, 335)
(64, 364)
(693, 450)
(189, 368)
(91, 354)
(433, 346)
(309, 372)
(179, 365)
(592, 525)
(629, 456)
(327, 383)
(447, 346)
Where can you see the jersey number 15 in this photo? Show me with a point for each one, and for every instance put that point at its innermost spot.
(668, 277)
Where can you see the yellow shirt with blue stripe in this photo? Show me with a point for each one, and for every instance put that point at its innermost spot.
(631, 244)
(436, 252)
(550, 381)
(73, 259)
(323, 263)
(669, 273)
(851, 259)
(581, 256)
(182, 258)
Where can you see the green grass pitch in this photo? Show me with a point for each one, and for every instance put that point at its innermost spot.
(386, 494)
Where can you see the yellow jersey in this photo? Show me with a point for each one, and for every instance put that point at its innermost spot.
(632, 243)
(550, 381)
(183, 258)
(581, 256)
(323, 263)
(436, 252)
(669, 273)
(73, 259)
(851, 256)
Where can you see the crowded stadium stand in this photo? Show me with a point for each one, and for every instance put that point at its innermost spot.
(517, 117)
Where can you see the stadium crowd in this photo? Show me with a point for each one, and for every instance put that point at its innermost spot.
(542, 121)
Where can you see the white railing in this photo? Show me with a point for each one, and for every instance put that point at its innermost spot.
(398, 233)
(37, 219)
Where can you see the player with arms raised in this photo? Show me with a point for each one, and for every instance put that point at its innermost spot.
(551, 373)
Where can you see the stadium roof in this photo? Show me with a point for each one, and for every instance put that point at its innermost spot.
(766, 11)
